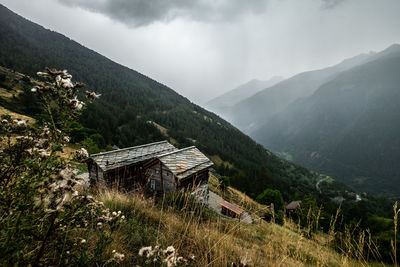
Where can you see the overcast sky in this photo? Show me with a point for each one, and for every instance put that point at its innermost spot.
(204, 48)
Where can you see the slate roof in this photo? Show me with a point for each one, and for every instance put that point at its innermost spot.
(127, 156)
(185, 162)
(293, 205)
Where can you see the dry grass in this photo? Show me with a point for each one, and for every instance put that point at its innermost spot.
(216, 241)
(240, 199)
(8, 93)
(219, 162)
(4, 111)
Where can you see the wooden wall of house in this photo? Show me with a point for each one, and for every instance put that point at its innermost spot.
(125, 177)
(157, 174)
(96, 174)
(200, 177)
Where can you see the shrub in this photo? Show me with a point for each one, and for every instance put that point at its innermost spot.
(44, 219)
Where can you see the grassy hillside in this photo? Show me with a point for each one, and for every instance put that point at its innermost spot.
(216, 241)
(130, 100)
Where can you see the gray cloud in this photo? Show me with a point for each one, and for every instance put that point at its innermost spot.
(143, 12)
(327, 4)
(236, 41)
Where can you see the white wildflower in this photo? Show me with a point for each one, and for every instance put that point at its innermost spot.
(76, 104)
(114, 213)
(43, 153)
(83, 241)
(58, 80)
(145, 251)
(82, 153)
(66, 83)
(67, 173)
(171, 260)
(42, 74)
(118, 256)
(169, 250)
(67, 197)
(92, 95)
(20, 123)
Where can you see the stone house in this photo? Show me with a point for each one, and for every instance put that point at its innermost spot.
(159, 167)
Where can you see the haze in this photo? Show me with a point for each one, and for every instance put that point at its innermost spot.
(204, 48)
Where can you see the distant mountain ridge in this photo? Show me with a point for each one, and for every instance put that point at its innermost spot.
(348, 128)
(222, 103)
(259, 108)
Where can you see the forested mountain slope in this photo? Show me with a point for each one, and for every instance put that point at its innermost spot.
(349, 127)
(135, 109)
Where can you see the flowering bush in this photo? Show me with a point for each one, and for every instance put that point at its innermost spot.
(44, 219)
(169, 256)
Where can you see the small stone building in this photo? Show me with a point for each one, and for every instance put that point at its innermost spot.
(228, 209)
(123, 167)
(159, 167)
(293, 205)
(178, 169)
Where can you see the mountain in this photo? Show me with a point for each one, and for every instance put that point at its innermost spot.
(254, 111)
(134, 109)
(222, 103)
(179, 213)
(348, 128)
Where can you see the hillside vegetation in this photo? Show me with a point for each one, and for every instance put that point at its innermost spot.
(130, 100)
(49, 217)
(216, 241)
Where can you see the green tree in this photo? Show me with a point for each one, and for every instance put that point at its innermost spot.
(271, 196)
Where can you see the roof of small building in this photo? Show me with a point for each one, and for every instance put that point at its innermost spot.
(293, 205)
(231, 207)
(127, 156)
(185, 162)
